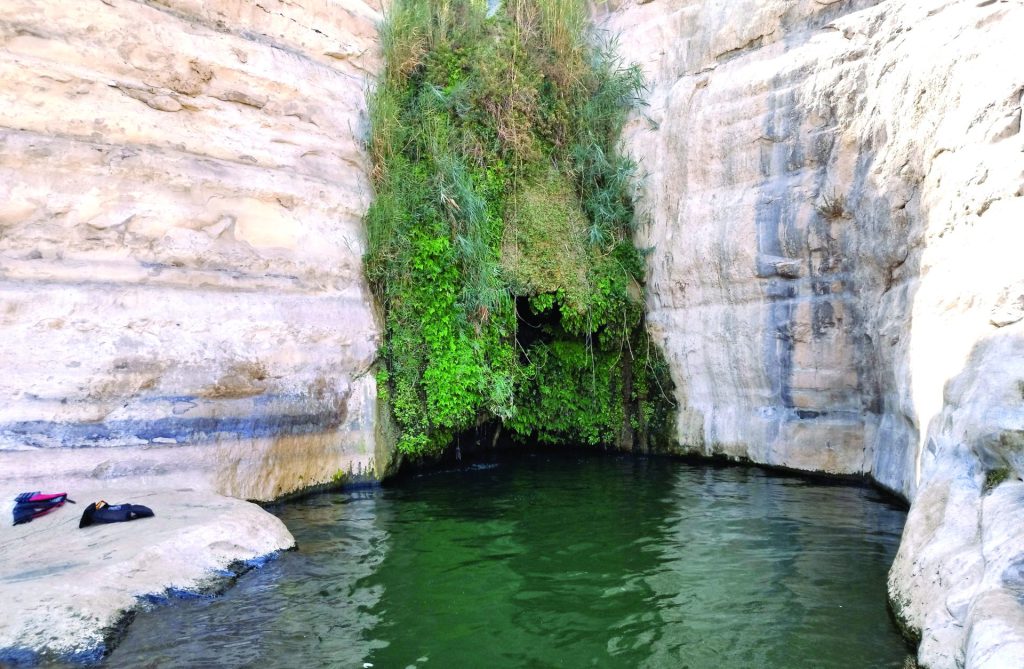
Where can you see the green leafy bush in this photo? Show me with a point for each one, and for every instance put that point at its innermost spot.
(498, 182)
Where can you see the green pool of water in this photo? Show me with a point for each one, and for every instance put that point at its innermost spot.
(557, 561)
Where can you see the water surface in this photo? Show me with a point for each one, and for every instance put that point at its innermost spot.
(558, 561)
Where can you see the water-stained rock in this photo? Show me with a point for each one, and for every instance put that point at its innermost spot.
(833, 196)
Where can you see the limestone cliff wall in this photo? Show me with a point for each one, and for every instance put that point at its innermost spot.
(833, 191)
(182, 184)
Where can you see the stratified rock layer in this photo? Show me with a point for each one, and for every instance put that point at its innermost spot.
(182, 309)
(834, 193)
(181, 192)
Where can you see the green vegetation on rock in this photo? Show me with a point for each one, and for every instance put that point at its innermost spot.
(500, 236)
(995, 476)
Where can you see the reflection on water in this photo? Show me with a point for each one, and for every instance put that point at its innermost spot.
(555, 560)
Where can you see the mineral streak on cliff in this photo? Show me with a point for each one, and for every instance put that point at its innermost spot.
(834, 196)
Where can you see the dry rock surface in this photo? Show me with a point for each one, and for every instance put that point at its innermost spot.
(181, 192)
(66, 590)
(834, 192)
(182, 306)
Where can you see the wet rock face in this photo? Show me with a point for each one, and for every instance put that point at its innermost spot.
(833, 194)
(181, 192)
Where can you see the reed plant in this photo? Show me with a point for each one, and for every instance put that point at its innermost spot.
(501, 196)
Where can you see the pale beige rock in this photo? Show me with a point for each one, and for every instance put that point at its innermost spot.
(180, 242)
(182, 309)
(70, 587)
(834, 193)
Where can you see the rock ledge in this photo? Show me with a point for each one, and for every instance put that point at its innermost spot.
(67, 590)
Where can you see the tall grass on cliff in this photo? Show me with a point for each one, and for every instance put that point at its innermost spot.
(500, 235)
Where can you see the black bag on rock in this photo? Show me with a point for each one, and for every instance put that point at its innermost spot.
(100, 512)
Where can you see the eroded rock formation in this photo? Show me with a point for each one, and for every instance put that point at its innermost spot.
(181, 191)
(834, 197)
(182, 309)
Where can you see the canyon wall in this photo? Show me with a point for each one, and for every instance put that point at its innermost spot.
(182, 184)
(833, 194)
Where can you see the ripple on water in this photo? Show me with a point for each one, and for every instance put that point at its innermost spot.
(554, 560)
